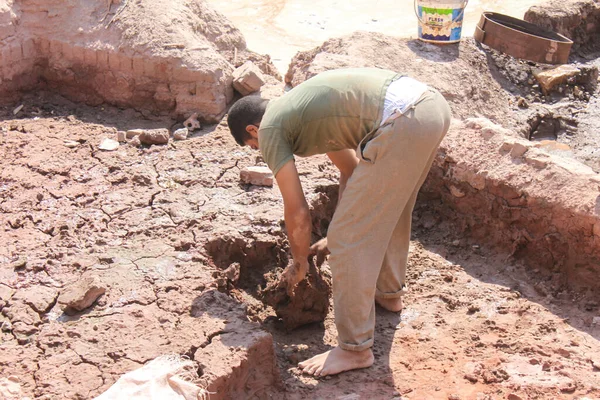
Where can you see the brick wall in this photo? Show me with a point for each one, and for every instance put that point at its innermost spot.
(95, 76)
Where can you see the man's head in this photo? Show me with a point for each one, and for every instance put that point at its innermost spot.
(244, 120)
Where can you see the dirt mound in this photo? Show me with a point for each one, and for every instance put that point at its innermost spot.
(509, 192)
(461, 73)
(478, 81)
(160, 56)
(578, 20)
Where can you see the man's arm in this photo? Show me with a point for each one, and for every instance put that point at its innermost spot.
(345, 161)
(297, 222)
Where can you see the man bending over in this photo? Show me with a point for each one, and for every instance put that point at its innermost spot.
(381, 130)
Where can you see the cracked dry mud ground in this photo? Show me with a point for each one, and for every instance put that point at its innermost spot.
(157, 224)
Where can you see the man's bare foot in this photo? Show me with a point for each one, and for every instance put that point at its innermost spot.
(335, 361)
(393, 305)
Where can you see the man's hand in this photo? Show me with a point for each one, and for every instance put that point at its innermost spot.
(321, 250)
(294, 274)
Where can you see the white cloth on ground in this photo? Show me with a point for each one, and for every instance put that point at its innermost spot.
(161, 379)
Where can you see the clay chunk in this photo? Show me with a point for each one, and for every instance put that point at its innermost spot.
(261, 176)
(154, 136)
(310, 302)
(247, 78)
(81, 295)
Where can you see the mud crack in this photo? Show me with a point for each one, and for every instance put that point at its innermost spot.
(210, 338)
(224, 171)
(153, 197)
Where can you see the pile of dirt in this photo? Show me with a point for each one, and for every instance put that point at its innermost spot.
(578, 20)
(461, 73)
(480, 82)
(157, 56)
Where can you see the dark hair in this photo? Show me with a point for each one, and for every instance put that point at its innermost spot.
(246, 111)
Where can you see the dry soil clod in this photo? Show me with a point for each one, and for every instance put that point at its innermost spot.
(261, 176)
(81, 295)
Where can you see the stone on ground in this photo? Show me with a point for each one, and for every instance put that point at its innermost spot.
(81, 295)
(180, 134)
(551, 78)
(261, 176)
(247, 79)
(154, 136)
(108, 145)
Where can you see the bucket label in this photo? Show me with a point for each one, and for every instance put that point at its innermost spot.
(442, 24)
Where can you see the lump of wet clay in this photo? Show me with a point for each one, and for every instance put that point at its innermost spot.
(309, 303)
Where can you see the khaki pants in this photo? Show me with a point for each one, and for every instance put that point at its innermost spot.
(370, 232)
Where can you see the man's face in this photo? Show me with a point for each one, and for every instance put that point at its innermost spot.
(253, 132)
(253, 143)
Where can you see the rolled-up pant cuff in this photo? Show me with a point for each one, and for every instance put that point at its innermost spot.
(356, 347)
(391, 295)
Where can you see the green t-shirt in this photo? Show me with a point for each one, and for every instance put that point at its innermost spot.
(332, 111)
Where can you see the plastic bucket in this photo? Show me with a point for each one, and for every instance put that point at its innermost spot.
(440, 21)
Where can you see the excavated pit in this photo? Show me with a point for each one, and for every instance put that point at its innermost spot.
(550, 127)
(258, 283)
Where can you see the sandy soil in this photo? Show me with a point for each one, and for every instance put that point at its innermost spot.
(162, 221)
(281, 28)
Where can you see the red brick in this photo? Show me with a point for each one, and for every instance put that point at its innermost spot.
(99, 82)
(229, 94)
(164, 71)
(182, 75)
(150, 68)
(67, 53)
(102, 59)
(113, 61)
(44, 46)
(27, 65)
(56, 48)
(192, 75)
(191, 103)
(206, 92)
(78, 54)
(7, 73)
(28, 48)
(16, 53)
(261, 176)
(89, 57)
(125, 63)
(4, 55)
(138, 66)
(184, 89)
